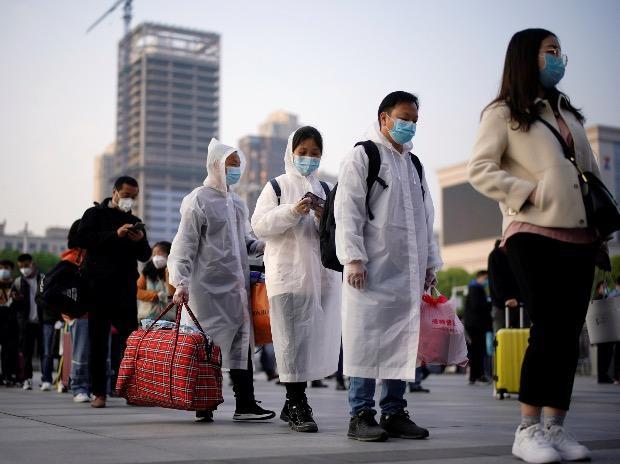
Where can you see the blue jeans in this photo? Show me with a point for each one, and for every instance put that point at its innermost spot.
(47, 359)
(80, 375)
(362, 395)
(418, 378)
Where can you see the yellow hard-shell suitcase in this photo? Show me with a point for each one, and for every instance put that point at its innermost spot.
(510, 346)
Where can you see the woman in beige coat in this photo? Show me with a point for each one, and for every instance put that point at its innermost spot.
(518, 161)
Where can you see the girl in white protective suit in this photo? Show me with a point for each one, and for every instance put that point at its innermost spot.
(304, 297)
(208, 265)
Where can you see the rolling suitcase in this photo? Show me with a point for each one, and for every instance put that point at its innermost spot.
(510, 345)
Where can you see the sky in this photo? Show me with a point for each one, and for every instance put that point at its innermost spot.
(329, 61)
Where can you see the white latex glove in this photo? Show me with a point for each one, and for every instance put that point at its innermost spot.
(430, 280)
(356, 274)
(181, 295)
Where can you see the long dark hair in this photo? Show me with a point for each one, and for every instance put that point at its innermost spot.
(150, 271)
(520, 80)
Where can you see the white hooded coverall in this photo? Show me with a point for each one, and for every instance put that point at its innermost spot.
(380, 323)
(304, 297)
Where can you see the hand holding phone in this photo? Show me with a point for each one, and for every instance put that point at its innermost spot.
(316, 202)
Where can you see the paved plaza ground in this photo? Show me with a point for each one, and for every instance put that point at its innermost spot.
(466, 425)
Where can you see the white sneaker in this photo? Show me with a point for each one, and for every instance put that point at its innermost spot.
(81, 398)
(531, 445)
(46, 386)
(565, 444)
(27, 384)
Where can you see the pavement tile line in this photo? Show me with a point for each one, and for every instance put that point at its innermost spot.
(73, 429)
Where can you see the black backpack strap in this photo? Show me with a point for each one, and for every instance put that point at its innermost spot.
(418, 167)
(276, 188)
(325, 188)
(374, 165)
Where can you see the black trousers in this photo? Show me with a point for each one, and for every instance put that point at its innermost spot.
(9, 342)
(477, 352)
(296, 391)
(30, 334)
(243, 384)
(605, 356)
(555, 279)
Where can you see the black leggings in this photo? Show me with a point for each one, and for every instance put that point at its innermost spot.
(296, 391)
(555, 279)
(243, 383)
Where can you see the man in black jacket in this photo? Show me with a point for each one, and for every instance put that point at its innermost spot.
(477, 324)
(114, 242)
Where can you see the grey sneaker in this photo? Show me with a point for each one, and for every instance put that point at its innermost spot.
(531, 445)
(565, 444)
(364, 427)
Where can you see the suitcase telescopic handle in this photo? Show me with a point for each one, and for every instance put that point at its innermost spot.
(521, 317)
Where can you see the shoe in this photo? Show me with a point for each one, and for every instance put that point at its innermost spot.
(340, 386)
(27, 384)
(565, 444)
(252, 412)
(98, 402)
(364, 427)
(81, 398)
(318, 384)
(606, 380)
(300, 417)
(284, 414)
(272, 376)
(204, 416)
(418, 389)
(399, 425)
(531, 446)
(46, 386)
(483, 379)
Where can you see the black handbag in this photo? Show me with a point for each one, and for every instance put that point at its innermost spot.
(601, 207)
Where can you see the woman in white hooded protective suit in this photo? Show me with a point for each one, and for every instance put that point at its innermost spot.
(304, 297)
(208, 265)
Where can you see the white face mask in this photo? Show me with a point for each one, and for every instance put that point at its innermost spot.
(5, 274)
(125, 204)
(26, 271)
(159, 261)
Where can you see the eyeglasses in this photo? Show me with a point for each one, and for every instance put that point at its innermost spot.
(557, 53)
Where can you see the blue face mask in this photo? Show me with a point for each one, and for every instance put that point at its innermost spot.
(306, 165)
(553, 72)
(403, 131)
(233, 174)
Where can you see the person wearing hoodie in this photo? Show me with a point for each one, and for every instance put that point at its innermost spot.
(477, 323)
(208, 266)
(8, 325)
(389, 259)
(304, 297)
(114, 240)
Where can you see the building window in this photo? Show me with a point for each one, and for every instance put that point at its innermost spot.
(44, 247)
(182, 96)
(178, 75)
(179, 106)
(8, 245)
(181, 116)
(186, 138)
(178, 65)
(181, 85)
(182, 147)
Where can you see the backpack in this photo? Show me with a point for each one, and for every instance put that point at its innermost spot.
(327, 227)
(62, 290)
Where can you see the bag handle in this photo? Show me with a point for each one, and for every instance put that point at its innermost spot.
(569, 153)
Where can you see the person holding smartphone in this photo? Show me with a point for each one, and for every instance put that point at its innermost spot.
(304, 297)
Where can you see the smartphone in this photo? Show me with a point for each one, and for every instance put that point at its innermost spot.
(137, 227)
(316, 202)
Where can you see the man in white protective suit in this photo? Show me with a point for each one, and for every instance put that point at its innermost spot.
(385, 242)
(208, 265)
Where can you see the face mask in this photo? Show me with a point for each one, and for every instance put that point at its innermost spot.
(125, 204)
(553, 72)
(5, 274)
(306, 165)
(403, 131)
(233, 174)
(26, 271)
(159, 261)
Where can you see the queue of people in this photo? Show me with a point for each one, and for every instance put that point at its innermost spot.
(385, 242)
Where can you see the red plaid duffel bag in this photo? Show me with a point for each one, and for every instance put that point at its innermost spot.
(171, 368)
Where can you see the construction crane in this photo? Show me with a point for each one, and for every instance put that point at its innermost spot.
(126, 15)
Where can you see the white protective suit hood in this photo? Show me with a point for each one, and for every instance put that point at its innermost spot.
(216, 160)
(289, 166)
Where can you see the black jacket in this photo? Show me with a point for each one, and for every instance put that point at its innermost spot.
(21, 304)
(502, 283)
(111, 261)
(477, 308)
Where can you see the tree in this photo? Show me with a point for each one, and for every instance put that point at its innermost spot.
(453, 277)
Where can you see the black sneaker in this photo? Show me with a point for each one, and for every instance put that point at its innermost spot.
(418, 389)
(284, 416)
(364, 427)
(300, 417)
(318, 384)
(204, 416)
(252, 412)
(399, 425)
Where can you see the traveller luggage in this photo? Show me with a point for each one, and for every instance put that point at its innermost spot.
(260, 309)
(510, 346)
(171, 366)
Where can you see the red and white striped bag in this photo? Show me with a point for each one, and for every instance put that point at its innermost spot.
(171, 368)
